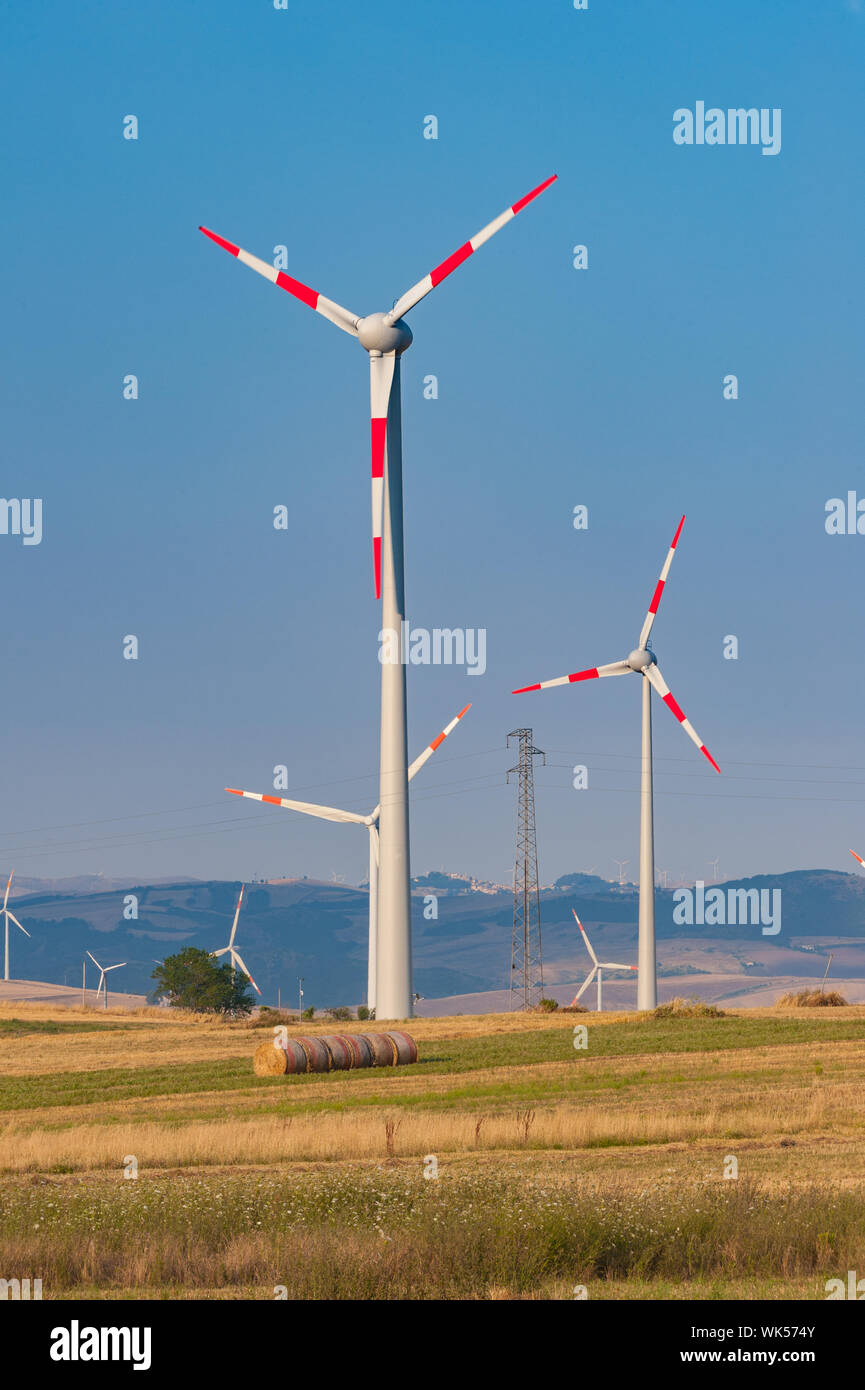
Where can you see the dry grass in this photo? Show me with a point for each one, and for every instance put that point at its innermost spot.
(621, 1123)
(812, 999)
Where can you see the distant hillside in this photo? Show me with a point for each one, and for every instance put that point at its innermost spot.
(319, 931)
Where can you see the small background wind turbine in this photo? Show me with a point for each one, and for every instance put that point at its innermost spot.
(233, 953)
(643, 662)
(371, 822)
(103, 971)
(9, 917)
(598, 967)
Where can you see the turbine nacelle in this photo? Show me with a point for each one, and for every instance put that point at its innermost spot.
(377, 333)
(640, 658)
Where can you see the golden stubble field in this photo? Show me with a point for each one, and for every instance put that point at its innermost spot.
(648, 1113)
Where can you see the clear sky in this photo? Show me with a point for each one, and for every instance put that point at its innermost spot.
(304, 127)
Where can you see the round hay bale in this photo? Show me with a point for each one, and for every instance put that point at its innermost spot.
(406, 1047)
(317, 1054)
(340, 1053)
(295, 1056)
(383, 1049)
(360, 1049)
(269, 1060)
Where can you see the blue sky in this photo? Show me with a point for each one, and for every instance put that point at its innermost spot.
(557, 387)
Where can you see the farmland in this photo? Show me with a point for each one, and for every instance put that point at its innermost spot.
(555, 1167)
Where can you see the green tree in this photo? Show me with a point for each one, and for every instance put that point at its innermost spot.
(308, 1013)
(193, 980)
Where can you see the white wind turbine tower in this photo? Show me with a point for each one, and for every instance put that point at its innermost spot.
(643, 662)
(9, 917)
(385, 336)
(233, 953)
(103, 971)
(372, 824)
(598, 967)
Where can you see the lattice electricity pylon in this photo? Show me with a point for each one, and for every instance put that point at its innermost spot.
(527, 963)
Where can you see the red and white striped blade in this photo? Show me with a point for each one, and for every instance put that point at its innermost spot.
(381, 372)
(659, 589)
(614, 668)
(235, 957)
(437, 742)
(343, 318)
(858, 856)
(441, 272)
(307, 807)
(663, 690)
(585, 938)
(6, 894)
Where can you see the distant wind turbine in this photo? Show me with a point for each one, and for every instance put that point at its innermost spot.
(233, 954)
(104, 969)
(9, 918)
(598, 967)
(643, 662)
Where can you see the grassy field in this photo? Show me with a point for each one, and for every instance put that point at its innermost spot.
(556, 1168)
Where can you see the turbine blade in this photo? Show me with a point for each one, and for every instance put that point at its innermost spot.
(585, 938)
(95, 961)
(221, 952)
(306, 807)
(343, 318)
(381, 372)
(610, 965)
(659, 589)
(437, 742)
(114, 967)
(6, 894)
(435, 277)
(236, 915)
(236, 957)
(857, 856)
(373, 830)
(615, 668)
(17, 923)
(585, 985)
(657, 680)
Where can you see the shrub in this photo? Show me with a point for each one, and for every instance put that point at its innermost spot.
(309, 1013)
(362, 1013)
(548, 1006)
(193, 980)
(687, 1008)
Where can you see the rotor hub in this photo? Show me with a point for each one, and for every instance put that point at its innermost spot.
(377, 335)
(640, 658)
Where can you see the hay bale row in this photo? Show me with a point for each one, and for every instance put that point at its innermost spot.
(333, 1052)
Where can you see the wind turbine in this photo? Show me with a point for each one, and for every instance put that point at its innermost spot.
(234, 955)
(8, 916)
(643, 662)
(104, 969)
(622, 863)
(385, 336)
(597, 969)
(372, 824)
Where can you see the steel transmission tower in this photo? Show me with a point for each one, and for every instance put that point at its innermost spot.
(527, 965)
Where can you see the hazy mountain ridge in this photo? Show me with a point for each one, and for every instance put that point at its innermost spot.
(319, 931)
